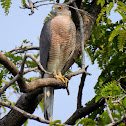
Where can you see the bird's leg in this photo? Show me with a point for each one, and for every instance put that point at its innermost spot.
(64, 79)
(61, 77)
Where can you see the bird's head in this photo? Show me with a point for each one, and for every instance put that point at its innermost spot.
(60, 9)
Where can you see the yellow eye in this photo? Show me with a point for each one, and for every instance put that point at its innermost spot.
(60, 8)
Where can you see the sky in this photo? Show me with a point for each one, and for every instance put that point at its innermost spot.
(18, 26)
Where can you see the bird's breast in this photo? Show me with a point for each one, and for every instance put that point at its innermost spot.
(60, 25)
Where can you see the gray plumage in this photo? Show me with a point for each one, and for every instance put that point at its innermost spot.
(57, 44)
(45, 40)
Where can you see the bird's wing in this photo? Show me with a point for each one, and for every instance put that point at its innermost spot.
(45, 40)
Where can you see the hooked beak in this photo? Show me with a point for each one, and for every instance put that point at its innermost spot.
(53, 11)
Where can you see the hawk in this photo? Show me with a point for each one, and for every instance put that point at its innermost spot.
(57, 44)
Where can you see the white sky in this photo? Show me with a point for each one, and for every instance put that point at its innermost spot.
(18, 26)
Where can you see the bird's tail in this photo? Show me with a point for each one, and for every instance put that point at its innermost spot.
(48, 102)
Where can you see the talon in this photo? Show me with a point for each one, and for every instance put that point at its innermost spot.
(61, 77)
(64, 80)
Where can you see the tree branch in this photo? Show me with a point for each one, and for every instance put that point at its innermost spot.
(9, 84)
(82, 112)
(118, 122)
(109, 112)
(35, 60)
(29, 70)
(56, 83)
(13, 69)
(22, 50)
(31, 5)
(25, 114)
(79, 97)
(27, 102)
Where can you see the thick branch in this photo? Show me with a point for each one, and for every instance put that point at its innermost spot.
(82, 112)
(27, 102)
(45, 82)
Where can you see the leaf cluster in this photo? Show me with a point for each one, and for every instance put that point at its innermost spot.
(6, 5)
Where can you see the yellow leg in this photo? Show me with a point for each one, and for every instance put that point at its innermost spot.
(61, 77)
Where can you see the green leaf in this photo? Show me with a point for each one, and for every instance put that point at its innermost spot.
(102, 2)
(26, 122)
(6, 5)
(86, 122)
(55, 123)
(111, 4)
(23, 2)
(41, 104)
(124, 102)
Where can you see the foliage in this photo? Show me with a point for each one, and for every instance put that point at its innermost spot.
(107, 47)
(23, 2)
(6, 5)
(85, 122)
(56, 123)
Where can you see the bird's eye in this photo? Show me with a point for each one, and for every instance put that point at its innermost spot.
(60, 8)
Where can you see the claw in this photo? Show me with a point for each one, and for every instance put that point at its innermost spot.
(64, 79)
(61, 77)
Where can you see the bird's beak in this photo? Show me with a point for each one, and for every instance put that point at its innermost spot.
(53, 11)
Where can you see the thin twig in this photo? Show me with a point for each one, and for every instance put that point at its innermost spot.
(76, 73)
(25, 114)
(10, 94)
(119, 101)
(9, 84)
(120, 84)
(29, 70)
(31, 6)
(43, 4)
(109, 112)
(22, 50)
(117, 122)
(37, 62)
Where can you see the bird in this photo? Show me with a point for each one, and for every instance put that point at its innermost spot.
(57, 45)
